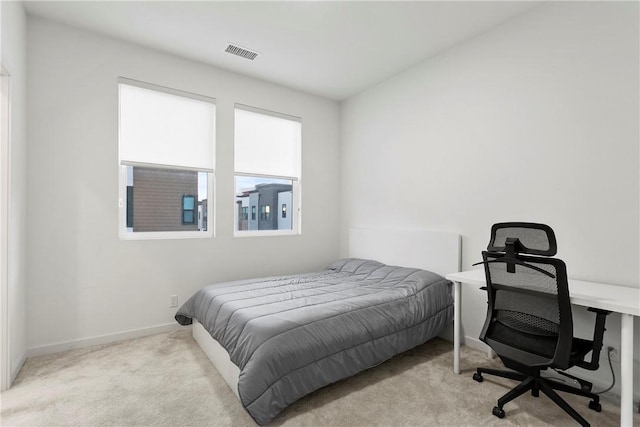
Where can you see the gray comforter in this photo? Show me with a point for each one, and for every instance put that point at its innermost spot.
(292, 335)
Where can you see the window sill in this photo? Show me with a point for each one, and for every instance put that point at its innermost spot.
(165, 235)
(265, 233)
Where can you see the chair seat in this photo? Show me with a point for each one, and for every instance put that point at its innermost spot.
(542, 345)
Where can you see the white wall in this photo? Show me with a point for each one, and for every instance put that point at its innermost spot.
(535, 120)
(84, 282)
(14, 60)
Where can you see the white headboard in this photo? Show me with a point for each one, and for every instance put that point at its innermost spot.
(435, 251)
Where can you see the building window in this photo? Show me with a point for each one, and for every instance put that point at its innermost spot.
(267, 161)
(265, 213)
(166, 156)
(245, 213)
(188, 209)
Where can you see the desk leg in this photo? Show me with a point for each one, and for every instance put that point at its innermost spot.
(456, 327)
(626, 371)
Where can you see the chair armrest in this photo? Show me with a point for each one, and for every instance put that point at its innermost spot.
(598, 334)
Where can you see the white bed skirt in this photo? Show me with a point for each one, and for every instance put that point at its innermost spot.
(218, 356)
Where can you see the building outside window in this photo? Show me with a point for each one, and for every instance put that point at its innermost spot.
(267, 150)
(166, 156)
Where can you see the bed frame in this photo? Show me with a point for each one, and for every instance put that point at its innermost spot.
(435, 251)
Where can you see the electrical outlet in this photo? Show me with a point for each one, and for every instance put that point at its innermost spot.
(614, 353)
(173, 300)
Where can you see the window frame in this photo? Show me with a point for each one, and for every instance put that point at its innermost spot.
(123, 233)
(164, 235)
(294, 212)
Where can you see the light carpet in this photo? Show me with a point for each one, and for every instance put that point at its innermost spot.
(166, 380)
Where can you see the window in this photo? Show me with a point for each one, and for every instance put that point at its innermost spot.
(265, 211)
(166, 157)
(188, 209)
(267, 162)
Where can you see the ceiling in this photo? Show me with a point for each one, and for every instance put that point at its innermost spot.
(333, 49)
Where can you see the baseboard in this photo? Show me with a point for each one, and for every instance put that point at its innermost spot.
(17, 369)
(102, 339)
(476, 344)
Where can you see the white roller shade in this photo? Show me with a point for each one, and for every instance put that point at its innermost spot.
(163, 128)
(266, 144)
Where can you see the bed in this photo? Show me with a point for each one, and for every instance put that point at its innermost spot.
(277, 339)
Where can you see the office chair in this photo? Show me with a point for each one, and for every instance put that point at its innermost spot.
(529, 323)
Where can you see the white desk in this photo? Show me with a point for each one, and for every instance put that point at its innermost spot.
(619, 299)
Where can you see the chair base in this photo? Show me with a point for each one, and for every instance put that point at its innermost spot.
(535, 383)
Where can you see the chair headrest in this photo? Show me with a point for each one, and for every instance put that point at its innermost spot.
(532, 238)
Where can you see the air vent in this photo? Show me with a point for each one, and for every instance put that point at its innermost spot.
(240, 51)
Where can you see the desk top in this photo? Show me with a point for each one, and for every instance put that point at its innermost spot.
(620, 299)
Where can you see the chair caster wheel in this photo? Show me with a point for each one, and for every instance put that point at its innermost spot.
(596, 406)
(478, 377)
(498, 412)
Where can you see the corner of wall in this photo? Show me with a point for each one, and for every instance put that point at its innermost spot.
(13, 57)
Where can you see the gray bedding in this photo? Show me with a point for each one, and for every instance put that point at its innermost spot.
(292, 335)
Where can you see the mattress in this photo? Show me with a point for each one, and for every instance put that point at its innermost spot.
(291, 335)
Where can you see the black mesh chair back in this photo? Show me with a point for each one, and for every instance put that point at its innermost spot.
(530, 321)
